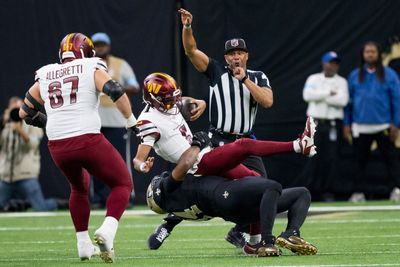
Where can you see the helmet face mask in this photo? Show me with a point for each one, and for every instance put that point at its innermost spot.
(162, 93)
(76, 45)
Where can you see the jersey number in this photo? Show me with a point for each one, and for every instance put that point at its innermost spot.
(55, 93)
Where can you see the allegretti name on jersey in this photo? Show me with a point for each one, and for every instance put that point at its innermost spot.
(70, 70)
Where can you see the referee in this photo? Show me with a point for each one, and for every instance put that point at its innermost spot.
(235, 91)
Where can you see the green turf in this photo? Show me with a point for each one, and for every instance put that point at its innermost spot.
(343, 239)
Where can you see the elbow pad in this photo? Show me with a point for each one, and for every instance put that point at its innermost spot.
(34, 117)
(113, 89)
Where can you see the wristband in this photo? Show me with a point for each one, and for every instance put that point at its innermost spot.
(131, 121)
(244, 79)
(142, 165)
(187, 26)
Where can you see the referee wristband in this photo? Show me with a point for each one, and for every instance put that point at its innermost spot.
(187, 26)
(244, 79)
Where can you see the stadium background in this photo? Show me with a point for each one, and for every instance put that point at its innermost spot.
(286, 40)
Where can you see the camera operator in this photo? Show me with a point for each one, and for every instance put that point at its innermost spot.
(20, 160)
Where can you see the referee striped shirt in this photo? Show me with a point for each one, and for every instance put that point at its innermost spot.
(232, 109)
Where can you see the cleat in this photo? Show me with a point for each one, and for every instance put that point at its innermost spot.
(106, 247)
(296, 244)
(261, 250)
(306, 139)
(86, 250)
(236, 238)
(156, 239)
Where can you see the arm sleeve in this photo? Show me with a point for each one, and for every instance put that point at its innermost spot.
(128, 75)
(313, 91)
(341, 98)
(100, 64)
(212, 71)
(148, 132)
(262, 80)
(394, 84)
(348, 110)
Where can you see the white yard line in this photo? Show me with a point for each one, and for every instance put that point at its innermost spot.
(215, 240)
(149, 212)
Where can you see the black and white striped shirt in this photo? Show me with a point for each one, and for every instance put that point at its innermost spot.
(232, 109)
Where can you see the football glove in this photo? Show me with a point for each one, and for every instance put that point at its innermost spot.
(201, 139)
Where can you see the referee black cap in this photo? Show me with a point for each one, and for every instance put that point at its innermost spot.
(235, 44)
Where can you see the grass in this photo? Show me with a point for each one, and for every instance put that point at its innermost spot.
(368, 238)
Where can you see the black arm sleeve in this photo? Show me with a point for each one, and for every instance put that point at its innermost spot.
(113, 89)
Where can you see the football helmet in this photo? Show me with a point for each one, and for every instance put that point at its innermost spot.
(161, 92)
(76, 45)
(154, 193)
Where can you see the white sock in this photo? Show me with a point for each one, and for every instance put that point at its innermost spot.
(83, 236)
(296, 146)
(255, 239)
(109, 226)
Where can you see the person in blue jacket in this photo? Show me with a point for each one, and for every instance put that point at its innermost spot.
(373, 114)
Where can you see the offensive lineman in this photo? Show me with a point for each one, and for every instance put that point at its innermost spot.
(70, 94)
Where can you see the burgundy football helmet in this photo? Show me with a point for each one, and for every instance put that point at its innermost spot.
(161, 92)
(76, 45)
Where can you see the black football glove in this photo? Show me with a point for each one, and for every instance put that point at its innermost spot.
(201, 140)
(135, 130)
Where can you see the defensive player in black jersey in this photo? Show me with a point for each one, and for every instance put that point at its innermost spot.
(240, 201)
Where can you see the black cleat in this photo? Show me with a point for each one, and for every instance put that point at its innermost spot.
(296, 244)
(236, 238)
(158, 237)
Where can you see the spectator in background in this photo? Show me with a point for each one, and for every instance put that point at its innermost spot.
(20, 160)
(112, 121)
(373, 114)
(326, 94)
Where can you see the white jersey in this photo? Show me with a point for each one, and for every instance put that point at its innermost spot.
(70, 97)
(171, 132)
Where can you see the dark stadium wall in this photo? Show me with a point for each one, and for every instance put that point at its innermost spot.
(142, 32)
(286, 40)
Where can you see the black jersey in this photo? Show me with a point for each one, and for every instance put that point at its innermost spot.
(194, 199)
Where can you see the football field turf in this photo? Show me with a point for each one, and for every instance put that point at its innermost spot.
(351, 238)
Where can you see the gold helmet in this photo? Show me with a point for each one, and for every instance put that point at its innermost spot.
(154, 192)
